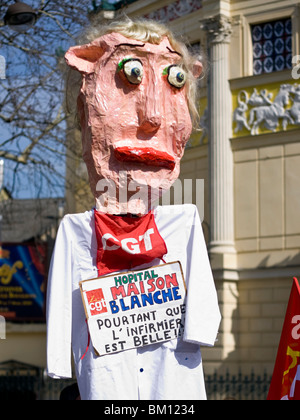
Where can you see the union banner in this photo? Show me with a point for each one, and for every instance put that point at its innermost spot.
(285, 384)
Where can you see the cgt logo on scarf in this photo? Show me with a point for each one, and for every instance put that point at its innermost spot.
(130, 245)
(124, 242)
(285, 384)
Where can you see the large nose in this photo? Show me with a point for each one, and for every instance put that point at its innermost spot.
(150, 115)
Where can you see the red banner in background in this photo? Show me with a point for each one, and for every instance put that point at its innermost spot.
(285, 384)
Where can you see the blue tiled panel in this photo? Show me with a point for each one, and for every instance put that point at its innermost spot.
(272, 46)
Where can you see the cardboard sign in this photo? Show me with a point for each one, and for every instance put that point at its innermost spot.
(134, 309)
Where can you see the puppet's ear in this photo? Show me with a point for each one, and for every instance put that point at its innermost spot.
(197, 69)
(84, 58)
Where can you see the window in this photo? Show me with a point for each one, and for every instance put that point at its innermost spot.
(272, 46)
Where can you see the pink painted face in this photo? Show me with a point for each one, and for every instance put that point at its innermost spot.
(134, 116)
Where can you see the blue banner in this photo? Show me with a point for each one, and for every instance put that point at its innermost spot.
(22, 281)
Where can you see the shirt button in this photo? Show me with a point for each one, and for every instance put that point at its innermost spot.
(141, 370)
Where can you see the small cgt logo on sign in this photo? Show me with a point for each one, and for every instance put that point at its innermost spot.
(96, 302)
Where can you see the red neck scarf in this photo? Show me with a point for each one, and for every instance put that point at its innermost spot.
(124, 242)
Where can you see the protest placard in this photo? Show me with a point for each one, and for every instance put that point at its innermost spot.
(135, 309)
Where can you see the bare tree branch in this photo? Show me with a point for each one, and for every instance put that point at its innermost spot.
(32, 116)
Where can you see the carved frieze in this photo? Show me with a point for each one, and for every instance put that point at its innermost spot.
(262, 109)
(175, 10)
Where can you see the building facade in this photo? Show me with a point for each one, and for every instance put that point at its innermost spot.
(248, 154)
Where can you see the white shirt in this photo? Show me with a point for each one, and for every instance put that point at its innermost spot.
(163, 371)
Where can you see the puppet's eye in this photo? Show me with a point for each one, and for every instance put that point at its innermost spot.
(133, 70)
(176, 76)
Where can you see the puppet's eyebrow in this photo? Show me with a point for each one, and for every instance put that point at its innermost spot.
(142, 45)
(174, 52)
(130, 45)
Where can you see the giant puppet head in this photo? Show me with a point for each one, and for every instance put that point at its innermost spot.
(135, 107)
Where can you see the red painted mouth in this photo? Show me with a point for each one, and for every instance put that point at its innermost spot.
(145, 155)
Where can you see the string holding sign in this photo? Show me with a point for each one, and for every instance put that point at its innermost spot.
(135, 309)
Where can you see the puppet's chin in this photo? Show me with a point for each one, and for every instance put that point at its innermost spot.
(133, 192)
(134, 206)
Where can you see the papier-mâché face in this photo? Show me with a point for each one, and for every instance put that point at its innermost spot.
(134, 118)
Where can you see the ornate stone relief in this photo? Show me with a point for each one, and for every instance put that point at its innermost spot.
(175, 10)
(262, 110)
